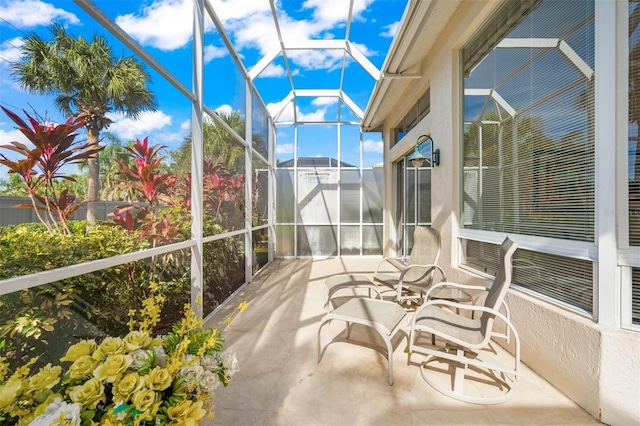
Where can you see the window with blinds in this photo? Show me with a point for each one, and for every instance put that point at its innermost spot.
(529, 135)
(529, 127)
(635, 295)
(634, 119)
(634, 146)
(538, 272)
(417, 112)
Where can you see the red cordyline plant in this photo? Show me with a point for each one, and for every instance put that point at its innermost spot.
(145, 178)
(167, 202)
(54, 147)
(223, 194)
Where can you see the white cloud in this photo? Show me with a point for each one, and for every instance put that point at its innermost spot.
(316, 59)
(30, 13)
(273, 70)
(317, 115)
(8, 136)
(224, 109)
(373, 146)
(165, 24)
(239, 9)
(169, 138)
(328, 13)
(148, 121)
(168, 24)
(392, 29)
(212, 52)
(324, 100)
(364, 49)
(285, 148)
(287, 113)
(10, 50)
(255, 30)
(186, 125)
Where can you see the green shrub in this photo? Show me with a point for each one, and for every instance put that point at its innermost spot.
(46, 319)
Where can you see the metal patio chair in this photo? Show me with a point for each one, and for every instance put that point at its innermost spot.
(467, 338)
(410, 276)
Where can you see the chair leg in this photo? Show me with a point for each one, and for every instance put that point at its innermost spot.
(387, 341)
(456, 389)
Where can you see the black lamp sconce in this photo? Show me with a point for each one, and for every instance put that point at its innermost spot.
(417, 159)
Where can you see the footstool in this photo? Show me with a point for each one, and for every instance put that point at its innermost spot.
(387, 318)
(347, 282)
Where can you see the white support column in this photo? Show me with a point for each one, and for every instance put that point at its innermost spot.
(248, 183)
(295, 190)
(197, 277)
(339, 192)
(607, 293)
(272, 192)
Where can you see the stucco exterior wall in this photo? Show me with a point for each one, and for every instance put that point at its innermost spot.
(597, 367)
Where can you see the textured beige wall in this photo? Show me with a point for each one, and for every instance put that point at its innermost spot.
(596, 367)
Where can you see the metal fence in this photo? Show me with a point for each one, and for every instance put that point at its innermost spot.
(11, 215)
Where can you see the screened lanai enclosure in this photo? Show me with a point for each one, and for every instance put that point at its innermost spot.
(246, 147)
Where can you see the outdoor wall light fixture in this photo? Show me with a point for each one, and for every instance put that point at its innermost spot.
(417, 158)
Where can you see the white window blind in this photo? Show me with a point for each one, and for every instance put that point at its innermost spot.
(529, 140)
(635, 296)
(634, 147)
(634, 119)
(537, 272)
(529, 127)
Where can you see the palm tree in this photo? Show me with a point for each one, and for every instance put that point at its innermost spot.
(86, 79)
(219, 144)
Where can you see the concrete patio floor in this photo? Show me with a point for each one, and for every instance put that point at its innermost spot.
(280, 381)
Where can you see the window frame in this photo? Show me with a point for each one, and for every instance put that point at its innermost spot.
(585, 250)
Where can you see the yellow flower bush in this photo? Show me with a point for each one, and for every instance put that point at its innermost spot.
(132, 380)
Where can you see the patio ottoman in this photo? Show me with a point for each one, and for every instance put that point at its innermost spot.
(350, 282)
(387, 318)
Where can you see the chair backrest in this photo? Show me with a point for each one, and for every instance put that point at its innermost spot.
(426, 246)
(501, 283)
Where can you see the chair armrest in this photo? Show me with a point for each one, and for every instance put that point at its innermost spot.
(392, 261)
(457, 305)
(429, 269)
(456, 285)
(371, 287)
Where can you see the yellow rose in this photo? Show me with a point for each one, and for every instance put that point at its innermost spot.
(143, 399)
(46, 378)
(89, 394)
(112, 368)
(82, 367)
(110, 420)
(85, 347)
(123, 389)
(4, 368)
(186, 413)
(109, 346)
(136, 340)
(9, 391)
(159, 379)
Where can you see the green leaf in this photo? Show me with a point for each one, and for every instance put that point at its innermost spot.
(121, 408)
(43, 395)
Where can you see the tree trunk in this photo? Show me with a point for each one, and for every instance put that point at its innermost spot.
(93, 190)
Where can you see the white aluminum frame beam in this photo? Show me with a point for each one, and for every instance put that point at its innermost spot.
(263, 63)
(549, 43)
(317, 93)
(344, 45)
(495, 96)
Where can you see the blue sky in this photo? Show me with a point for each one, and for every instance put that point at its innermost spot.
(163, 28)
